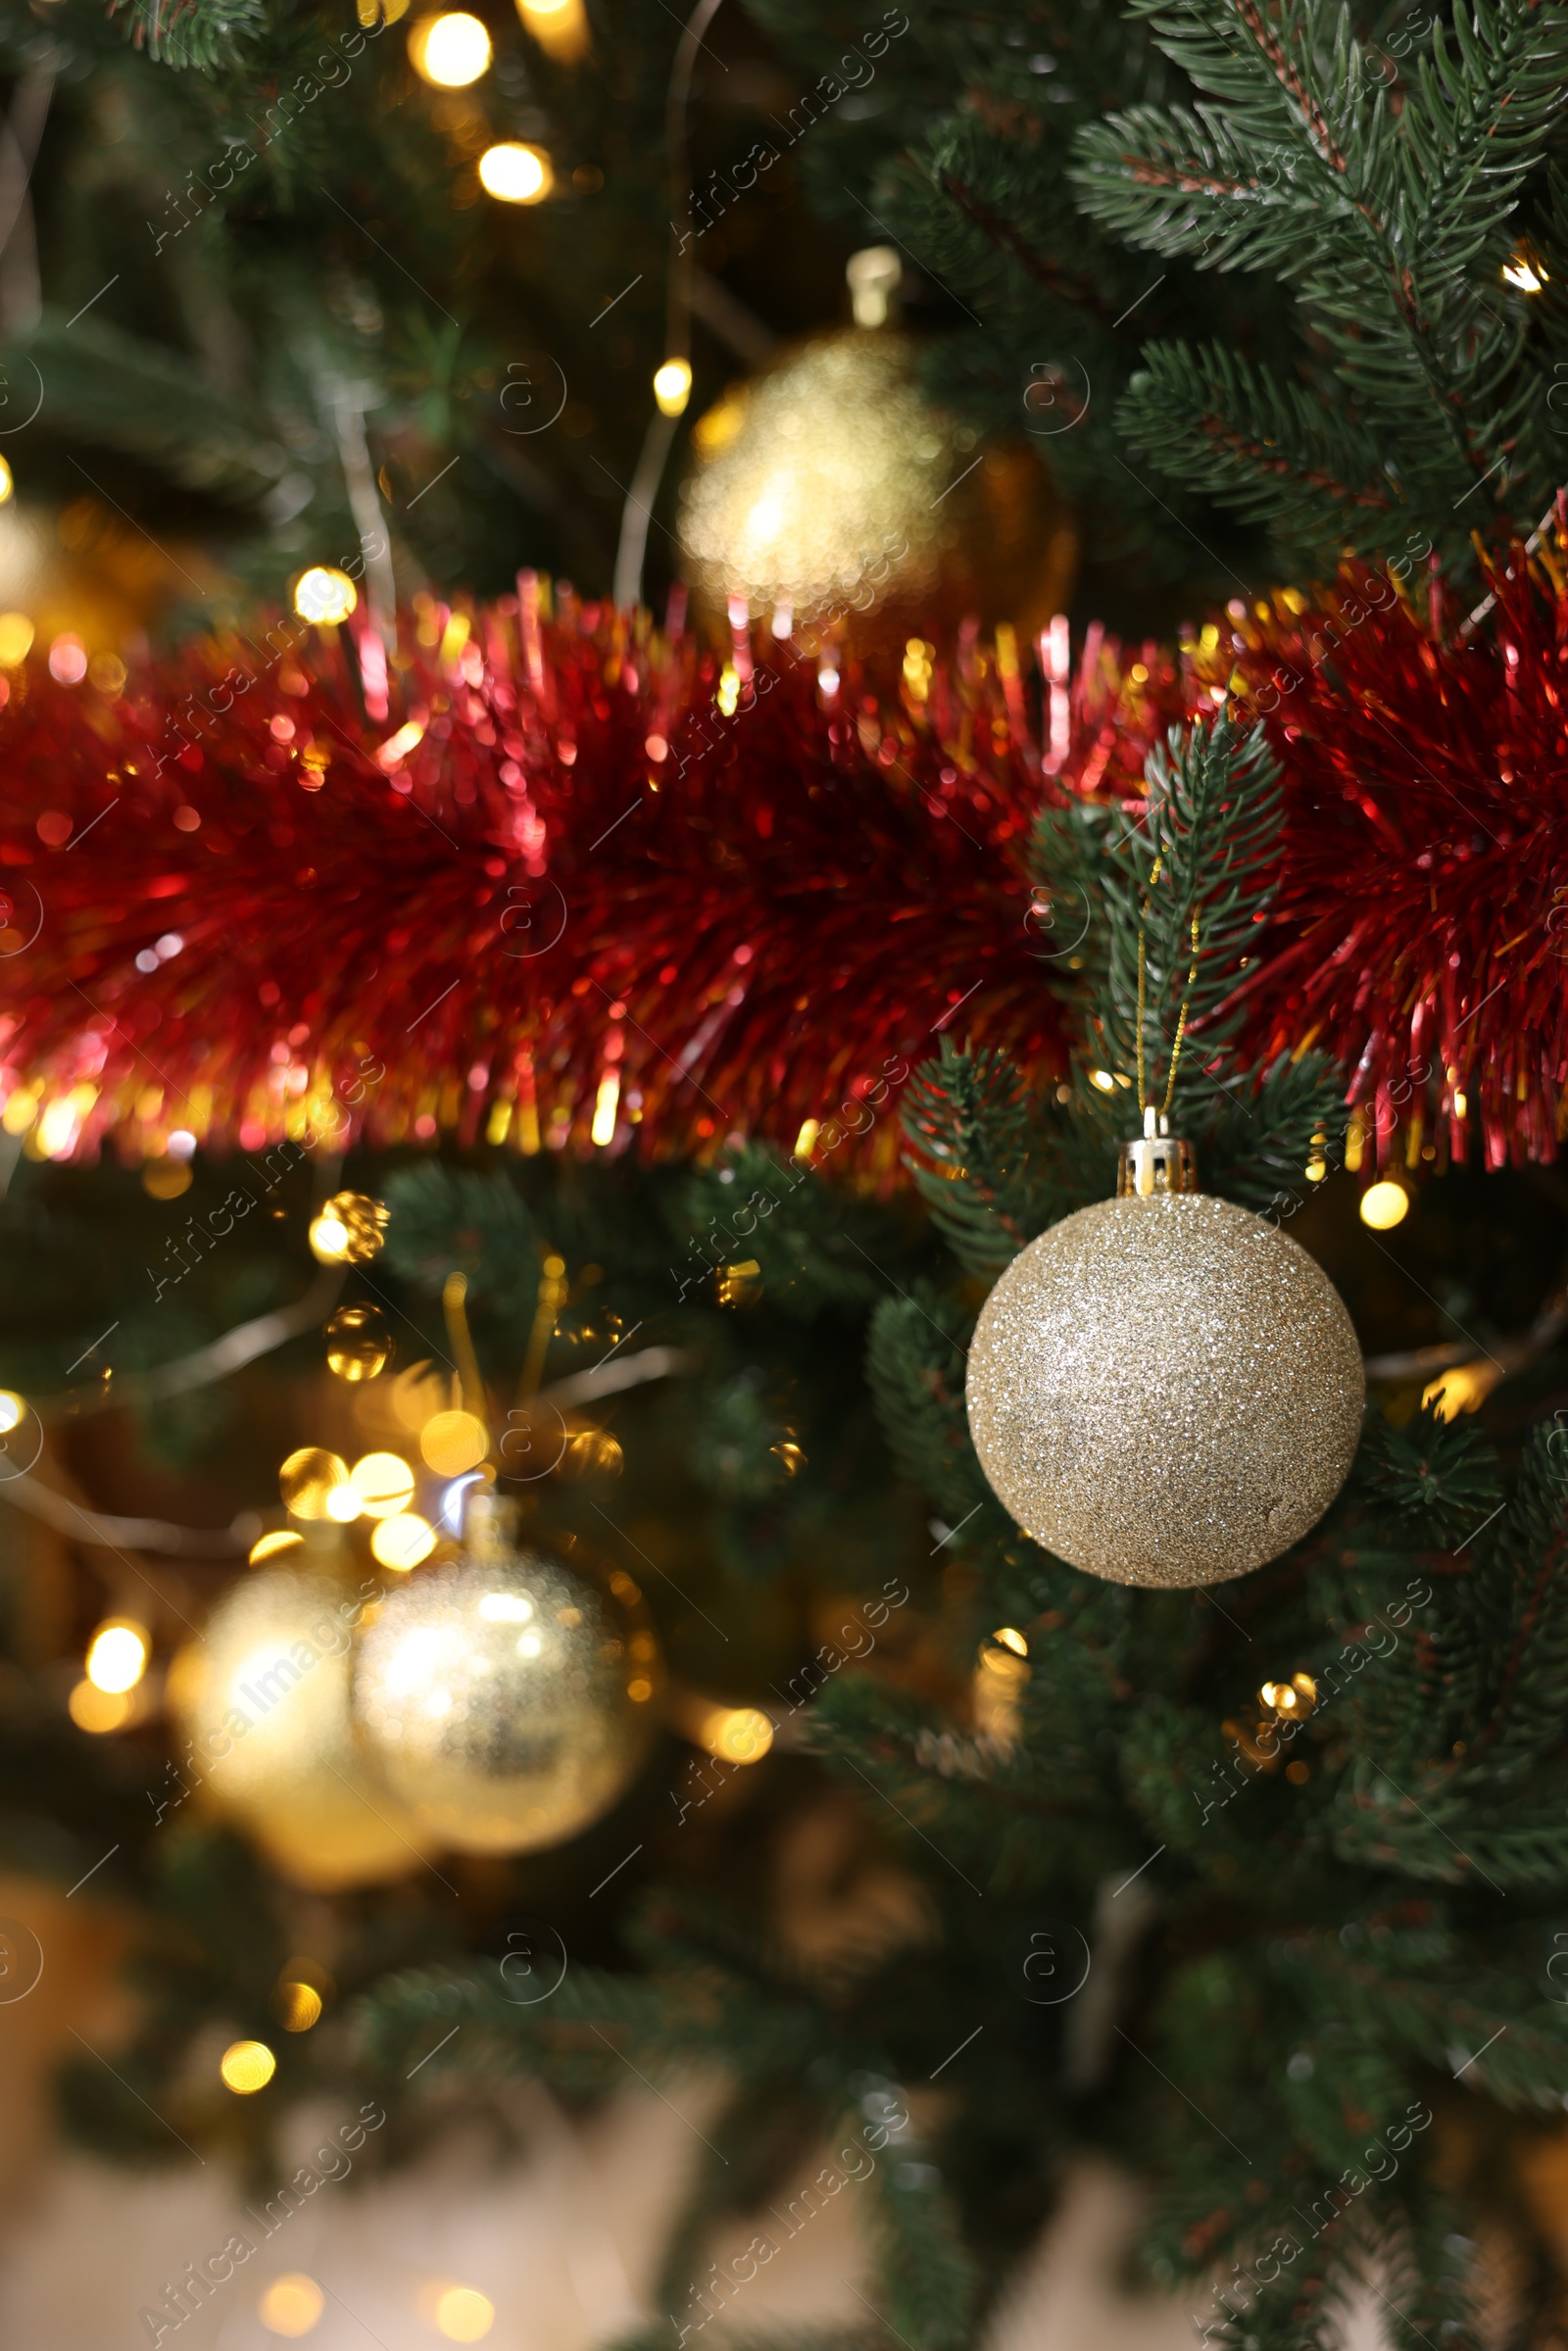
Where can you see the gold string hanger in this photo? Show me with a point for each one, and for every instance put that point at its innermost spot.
(1182, 1015)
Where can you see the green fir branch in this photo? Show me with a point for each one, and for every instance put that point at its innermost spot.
(818, 1247)
(1432, 1479)
(447, 1220)
(1389, 221)
(914, 1363)
(975, 1155)
(1521, 1585)
(929, 2279)
(204, 34)
(1200, 852)
(1261, 1137)
(1435, 1829)
(1276, 450)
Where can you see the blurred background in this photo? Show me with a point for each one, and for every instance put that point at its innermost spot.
(371, 308)
(275, 283)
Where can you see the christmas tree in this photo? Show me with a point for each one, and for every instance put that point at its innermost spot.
(526, 1123)
(1296, 270)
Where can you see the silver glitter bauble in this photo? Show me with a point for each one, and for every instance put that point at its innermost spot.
(505, 1698)
(262, 1699)
(1165, 1390)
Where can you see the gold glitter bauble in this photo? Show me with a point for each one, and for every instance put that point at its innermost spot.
(262, 1699)
(818, 482)
(505, 1698)
(1165, 1390)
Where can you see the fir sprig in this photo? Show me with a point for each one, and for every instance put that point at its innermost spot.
(199, 33)
(1390, 221)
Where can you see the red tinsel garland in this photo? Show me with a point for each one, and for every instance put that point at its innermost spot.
(550, 879)
(539, 878)
(1423, 909)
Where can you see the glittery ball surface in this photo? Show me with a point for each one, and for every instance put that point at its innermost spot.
(505, 1699)
(1165, 1390)
(820, 481)
(262, 1699)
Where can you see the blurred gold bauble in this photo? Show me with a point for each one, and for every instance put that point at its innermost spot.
(349, 1230)
(262, 1699)
(1164, 1389)
(817, 481)
(830, 486)
(359, 1345)
(505, 1699)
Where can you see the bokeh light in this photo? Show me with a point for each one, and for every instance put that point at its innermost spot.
(291, 2305)
(1384, 1205)
(329, 1238)
(68, 659)
(99, 1711)
(560, 27)
(672, 386)
(299, 2005)
(165, 1178)
(464, 2315)
(1462, 1388)
(247, 2066)
(449, 51)
(401, 1543)
(514, 172)
(349, 1230)
(117, 1655)
(309, 1479)
(325, 594)
(272, 1546)
(359, 1346)
(453, 1442)
(383, 1483)
(736, 1734)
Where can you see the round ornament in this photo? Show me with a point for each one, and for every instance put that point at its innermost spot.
(505, 1698)
(263, 1700)
(359, 1345)
(817, 484)
(829, 485)
(1162, 1389)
